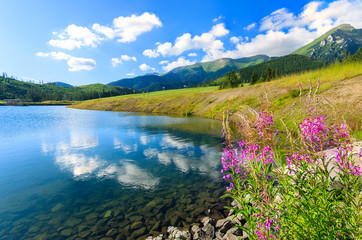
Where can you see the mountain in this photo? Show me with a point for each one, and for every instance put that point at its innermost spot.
(189, 75)
(331, 45)
(266, 71)
(11, 88)
(61, 84)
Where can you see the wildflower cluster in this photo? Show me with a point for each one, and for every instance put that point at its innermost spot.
(280, 194)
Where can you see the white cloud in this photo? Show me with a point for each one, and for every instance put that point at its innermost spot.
(127, 29)
(250, 26)
(181, 61)
(219, 30)
(130, 74)
(74, 63)
(150, 53)
(235, 40)
(192, 54)
(54, 55)
(77, 64)
(145, 67)
(206, 41)
(116, 61)
(164, 62)
(124, 29)
(216, 19)
(108, 32)
(282, 32)
(75, 37)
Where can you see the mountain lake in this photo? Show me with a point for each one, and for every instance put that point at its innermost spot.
(68, 174)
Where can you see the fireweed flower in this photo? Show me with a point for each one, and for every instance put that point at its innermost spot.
(314, 131)
(344, 162)
(247, 167)
(264, 230)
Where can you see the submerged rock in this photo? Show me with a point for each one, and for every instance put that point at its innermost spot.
(108, 214)
(139, 232)
(66, 232)
(136, 225)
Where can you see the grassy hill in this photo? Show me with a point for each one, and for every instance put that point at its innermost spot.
(31, 92)
(331, 45)
(339, 83)
(189, 75)
(280, 66)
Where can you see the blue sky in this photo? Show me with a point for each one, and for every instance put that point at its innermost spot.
(81, 42)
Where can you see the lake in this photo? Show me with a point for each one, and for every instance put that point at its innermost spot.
(67, 173)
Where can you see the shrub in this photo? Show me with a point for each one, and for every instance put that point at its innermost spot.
(304, 194)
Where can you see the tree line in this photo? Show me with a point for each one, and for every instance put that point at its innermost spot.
(31, 92)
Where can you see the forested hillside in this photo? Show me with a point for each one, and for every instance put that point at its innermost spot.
(11, 88)
(267, 70)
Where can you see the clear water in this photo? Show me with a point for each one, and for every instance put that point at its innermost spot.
(68, 174)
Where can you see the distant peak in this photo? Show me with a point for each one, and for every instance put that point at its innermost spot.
(345, 26)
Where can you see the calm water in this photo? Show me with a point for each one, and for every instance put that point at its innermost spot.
(67, 174)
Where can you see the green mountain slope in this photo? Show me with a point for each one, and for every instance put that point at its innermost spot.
(189, 75)
(61, 84)
(11, 88)
(331, 45)
(292, 63)
(277, 67)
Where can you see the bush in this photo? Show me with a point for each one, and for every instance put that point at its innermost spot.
(304, 194)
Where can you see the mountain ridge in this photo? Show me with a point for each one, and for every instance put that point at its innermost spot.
(343, 39)
(189, 75)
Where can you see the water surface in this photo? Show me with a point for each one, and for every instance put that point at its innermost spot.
(67, 173)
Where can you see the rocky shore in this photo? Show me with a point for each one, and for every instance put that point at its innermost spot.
(209, 228)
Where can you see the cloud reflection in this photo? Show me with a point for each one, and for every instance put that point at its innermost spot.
(79, 164)
(132, 175)
(126, 148)
(73, 157)
(207, 163)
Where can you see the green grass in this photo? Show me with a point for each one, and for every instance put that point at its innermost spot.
(162, 93)
(336, 83)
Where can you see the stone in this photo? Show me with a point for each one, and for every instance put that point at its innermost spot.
(91, 216)
(108, 214)
(156, 226)
(84, 234)
(174, 220)
(207, 220)
(216, 214)
(57, 207)
(82, 227)
(111, 233)
(182, 214)
(235, 231)
(136, 225)
(72, 222)
(66, 232)
(209, 231)
(139, 232)
(121, 236)
(136, 218)
(225, 224)
(230, 236)
(195, 229)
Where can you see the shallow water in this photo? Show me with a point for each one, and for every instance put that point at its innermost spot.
(67, 173)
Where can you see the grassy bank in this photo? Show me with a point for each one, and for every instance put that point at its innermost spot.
(341, 84)
(51, 103)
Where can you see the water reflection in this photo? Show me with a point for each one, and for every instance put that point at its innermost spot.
(80, 165)
(80, 154)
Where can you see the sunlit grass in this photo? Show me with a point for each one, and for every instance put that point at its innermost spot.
(210, 102)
